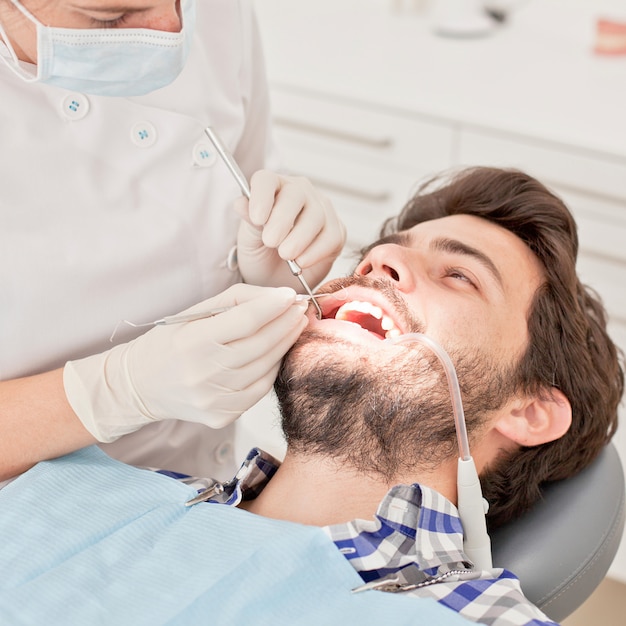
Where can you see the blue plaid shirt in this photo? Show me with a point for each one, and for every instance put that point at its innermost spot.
(414, 545)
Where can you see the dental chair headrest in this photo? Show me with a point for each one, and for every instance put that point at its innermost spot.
(562, 549)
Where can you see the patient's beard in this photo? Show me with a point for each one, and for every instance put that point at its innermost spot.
(384, 416)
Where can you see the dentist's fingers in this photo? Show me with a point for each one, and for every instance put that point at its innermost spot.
(299, 216)
(247, 318)
(286, 218)
(264, 187)
(250, 363)
(183, 370)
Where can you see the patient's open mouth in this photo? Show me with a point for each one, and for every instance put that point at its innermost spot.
(369, 317)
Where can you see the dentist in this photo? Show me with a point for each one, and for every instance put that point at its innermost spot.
(114, 205)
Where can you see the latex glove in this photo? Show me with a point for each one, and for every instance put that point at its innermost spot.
(286, 218)
(208, 371)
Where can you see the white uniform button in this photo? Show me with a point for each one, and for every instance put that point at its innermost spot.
(74, 106)
(143, 134)
(223, 453)
(204, 154)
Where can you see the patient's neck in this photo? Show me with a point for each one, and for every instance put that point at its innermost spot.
(319, 491)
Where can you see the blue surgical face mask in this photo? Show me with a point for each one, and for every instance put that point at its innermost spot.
(107, 61)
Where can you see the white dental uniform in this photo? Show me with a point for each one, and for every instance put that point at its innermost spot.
(118, 208)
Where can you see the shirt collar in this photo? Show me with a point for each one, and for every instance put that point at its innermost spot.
(414, 525)
(255, 472)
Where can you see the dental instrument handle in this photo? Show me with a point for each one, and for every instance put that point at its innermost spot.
(229, 161)
(170, 319)
(190, 317)
(471, 506)
(235, 170)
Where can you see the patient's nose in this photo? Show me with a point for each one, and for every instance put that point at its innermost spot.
(388, 261)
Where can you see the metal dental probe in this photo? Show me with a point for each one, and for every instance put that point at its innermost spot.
(200, 315)
(231, 164)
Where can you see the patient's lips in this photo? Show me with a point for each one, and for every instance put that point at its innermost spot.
(361, 311)
(369, 317)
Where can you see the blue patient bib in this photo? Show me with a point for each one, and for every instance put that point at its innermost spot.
(89, 540)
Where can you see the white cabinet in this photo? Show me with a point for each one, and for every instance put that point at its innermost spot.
(379, 103)
(366, 160)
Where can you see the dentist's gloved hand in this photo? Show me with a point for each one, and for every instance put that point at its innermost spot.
(208, 371)
(286, 218)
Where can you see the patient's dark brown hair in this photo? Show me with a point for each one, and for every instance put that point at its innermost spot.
(569, 347)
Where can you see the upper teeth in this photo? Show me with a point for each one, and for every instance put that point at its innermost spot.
(386, 323)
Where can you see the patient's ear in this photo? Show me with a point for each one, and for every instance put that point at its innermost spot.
(536, 420)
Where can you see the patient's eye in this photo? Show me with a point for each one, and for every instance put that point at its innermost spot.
(458, 274)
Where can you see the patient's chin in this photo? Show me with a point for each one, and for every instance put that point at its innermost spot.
(379, 411)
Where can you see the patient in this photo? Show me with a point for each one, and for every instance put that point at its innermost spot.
(484, 264)
(486, 267)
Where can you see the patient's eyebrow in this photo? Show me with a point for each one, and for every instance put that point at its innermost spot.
(454, 246)
(402, 238)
